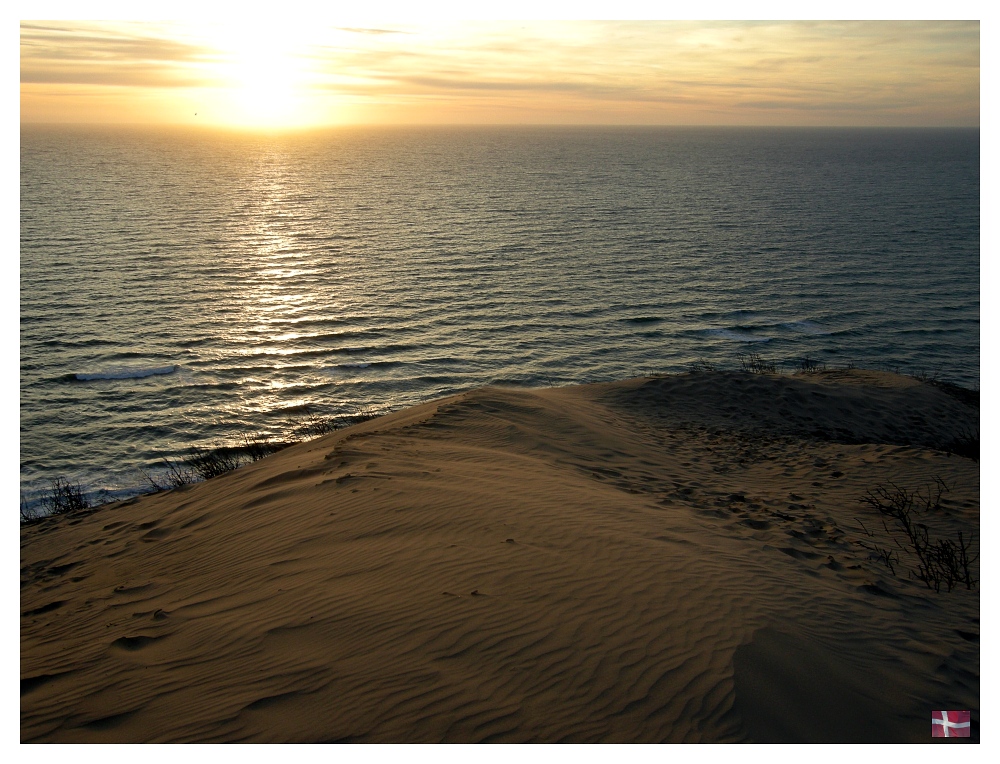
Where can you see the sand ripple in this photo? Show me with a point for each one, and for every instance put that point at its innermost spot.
(658, 560)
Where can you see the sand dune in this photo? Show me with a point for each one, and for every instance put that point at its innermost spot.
(670, 559)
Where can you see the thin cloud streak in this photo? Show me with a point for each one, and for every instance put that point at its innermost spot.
(360, 30)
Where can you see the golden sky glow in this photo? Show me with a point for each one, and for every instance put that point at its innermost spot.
(266, 73)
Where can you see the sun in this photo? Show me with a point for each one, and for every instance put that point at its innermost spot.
(266, 77)
(268, 93)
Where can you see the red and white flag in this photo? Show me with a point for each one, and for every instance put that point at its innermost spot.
(951, 723)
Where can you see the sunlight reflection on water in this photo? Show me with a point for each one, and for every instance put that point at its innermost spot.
(342, 270)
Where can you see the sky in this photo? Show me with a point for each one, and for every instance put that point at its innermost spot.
(291, 71)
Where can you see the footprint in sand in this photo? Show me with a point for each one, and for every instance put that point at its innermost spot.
(32, 683)
(132, 644)
(45, 608)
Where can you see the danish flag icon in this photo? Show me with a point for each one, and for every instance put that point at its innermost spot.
(950, 723)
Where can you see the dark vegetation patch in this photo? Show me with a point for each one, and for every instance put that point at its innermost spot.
(755, 364)
(966, 444)
(810, 364)
(937, 562)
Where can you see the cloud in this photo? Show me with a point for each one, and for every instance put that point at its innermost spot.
(364, 30)
(132, 75)
(443, 83)
(81, 55)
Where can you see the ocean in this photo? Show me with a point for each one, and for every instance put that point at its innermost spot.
(183, 288)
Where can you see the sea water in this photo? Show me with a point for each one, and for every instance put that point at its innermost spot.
(184, 288)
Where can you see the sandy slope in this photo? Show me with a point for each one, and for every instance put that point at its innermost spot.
(668, 559)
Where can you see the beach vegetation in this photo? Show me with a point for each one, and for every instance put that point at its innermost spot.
(63, 497)
(940, 562)
(931, 377)
(755, 364)
(363, 415)
(29, 514)
(315, 426)
(966, 444)
(176, 476)
(210, 463)
(205, 463)
(885, 554)
(199, 464)
(808, 364)
(257, 447)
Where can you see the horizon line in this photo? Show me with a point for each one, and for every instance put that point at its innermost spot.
(338, 126)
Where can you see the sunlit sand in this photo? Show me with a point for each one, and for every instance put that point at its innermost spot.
(684, 558)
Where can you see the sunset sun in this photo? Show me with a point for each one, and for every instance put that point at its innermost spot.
(265, 77)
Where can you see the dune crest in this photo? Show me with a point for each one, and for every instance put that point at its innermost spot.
(666, 559)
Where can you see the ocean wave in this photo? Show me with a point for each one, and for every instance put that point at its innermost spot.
(356, 368)
(807, 327)
(643, 320)
(737, 335)
(124, 373)
(578, 303)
